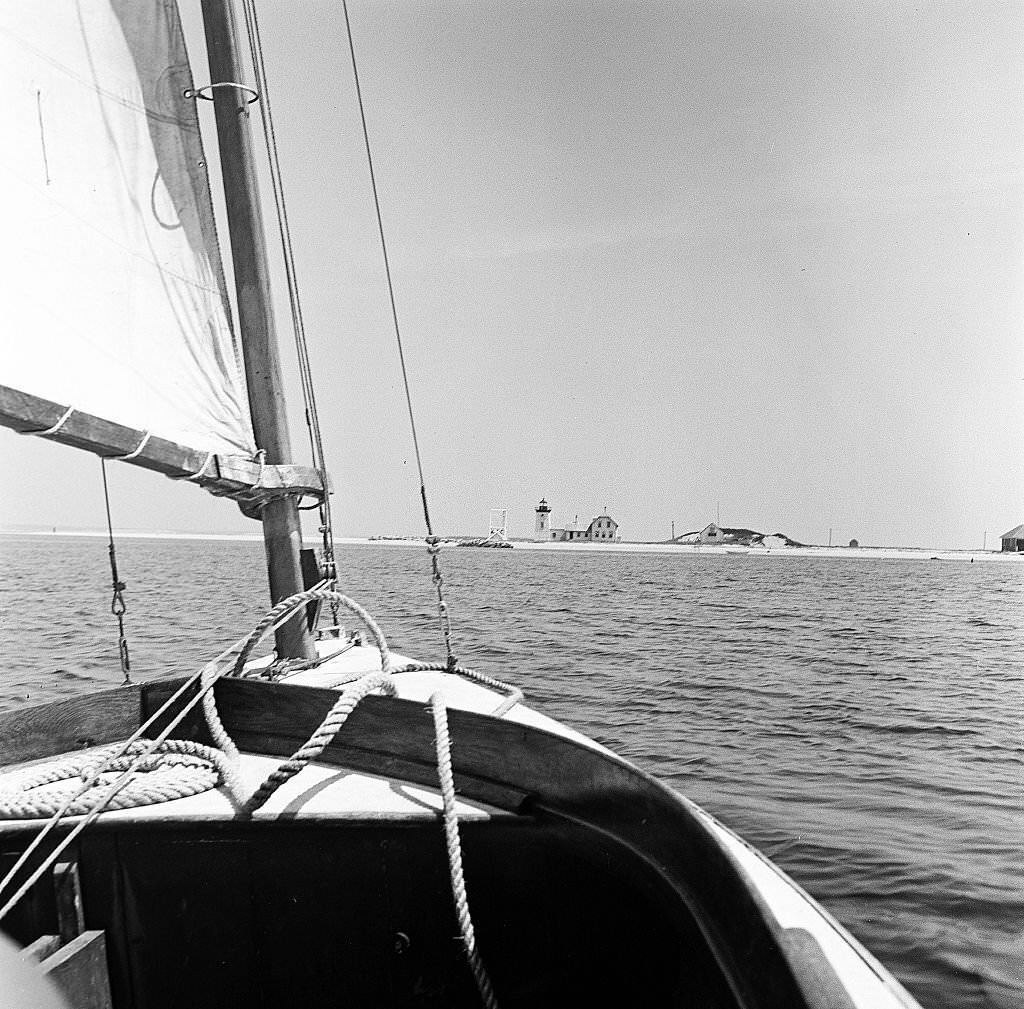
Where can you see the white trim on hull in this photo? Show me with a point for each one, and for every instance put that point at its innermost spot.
(816, 944)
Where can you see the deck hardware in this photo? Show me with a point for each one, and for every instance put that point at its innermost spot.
(202, 92)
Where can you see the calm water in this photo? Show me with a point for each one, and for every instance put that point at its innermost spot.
(859, 720)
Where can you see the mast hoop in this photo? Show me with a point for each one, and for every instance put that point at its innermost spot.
(192, 93)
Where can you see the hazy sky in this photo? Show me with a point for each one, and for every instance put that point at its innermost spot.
(659, 258)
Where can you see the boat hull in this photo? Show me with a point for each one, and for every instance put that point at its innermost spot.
(587, 878)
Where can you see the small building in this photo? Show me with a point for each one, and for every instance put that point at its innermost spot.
(711, 534)
(1013, 541)
(601, 529)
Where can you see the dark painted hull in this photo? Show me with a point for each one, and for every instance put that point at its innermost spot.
(590, 884)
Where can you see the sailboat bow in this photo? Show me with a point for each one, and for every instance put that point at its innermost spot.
(589, 881)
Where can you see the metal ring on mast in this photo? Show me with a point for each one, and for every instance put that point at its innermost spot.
(198, 92)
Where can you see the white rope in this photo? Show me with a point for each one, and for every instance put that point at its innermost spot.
(453, 843)
(321, 738)
(135, 451)
(261, 458)
(162, 760)
(207, 676)
(176, 769)
(199, 473)
(43, 432)
(513, 695)
(336, 718)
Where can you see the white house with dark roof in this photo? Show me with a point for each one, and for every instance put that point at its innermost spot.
(1013, 541)
(603, 529)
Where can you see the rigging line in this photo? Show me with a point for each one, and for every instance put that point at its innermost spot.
(270, 135)
(145, 750)
(291, 274)
(206, 678)
(387, 265)
(433, 543)
(117, 604)
(209, 673)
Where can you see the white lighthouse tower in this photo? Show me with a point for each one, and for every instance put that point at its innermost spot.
(542, 526)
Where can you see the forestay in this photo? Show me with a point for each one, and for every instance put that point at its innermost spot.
(113, 289)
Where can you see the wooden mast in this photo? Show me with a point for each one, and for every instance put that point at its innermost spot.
(282, 533)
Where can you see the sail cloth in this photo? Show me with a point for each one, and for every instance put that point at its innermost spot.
(111, 281)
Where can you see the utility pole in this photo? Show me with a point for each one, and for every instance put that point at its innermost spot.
(282, 532)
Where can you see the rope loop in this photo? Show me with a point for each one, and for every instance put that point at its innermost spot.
(343, 707)
(287, 607)
(261, 458)
(330, 726)
(199, 473)
(513, 695)
(144, 771)
(118, 607)
(135, 452)
(44, 432)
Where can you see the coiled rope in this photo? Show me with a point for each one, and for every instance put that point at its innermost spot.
(143, 771)
(205, 678)
(157, 778)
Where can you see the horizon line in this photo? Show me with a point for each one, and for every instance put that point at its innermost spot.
(863, 550)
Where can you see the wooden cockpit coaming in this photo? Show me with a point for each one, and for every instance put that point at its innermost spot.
(649, 858)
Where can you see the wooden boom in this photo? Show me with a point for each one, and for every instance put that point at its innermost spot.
(223, 475)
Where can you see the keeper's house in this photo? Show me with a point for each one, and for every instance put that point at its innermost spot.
(1013, 541)
(603, 529)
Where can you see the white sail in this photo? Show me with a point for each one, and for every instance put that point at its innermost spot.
(111, 283)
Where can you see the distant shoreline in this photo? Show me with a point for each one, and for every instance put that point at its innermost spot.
(707, 549)
(685, 550)
(134, 534)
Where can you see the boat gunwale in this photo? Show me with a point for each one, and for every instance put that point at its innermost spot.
(503, 763)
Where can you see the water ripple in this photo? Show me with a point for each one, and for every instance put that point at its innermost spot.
(859, 721)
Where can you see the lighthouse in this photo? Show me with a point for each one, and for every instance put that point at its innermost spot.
(542, 526)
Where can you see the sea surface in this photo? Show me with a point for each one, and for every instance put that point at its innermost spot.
(858, 720)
